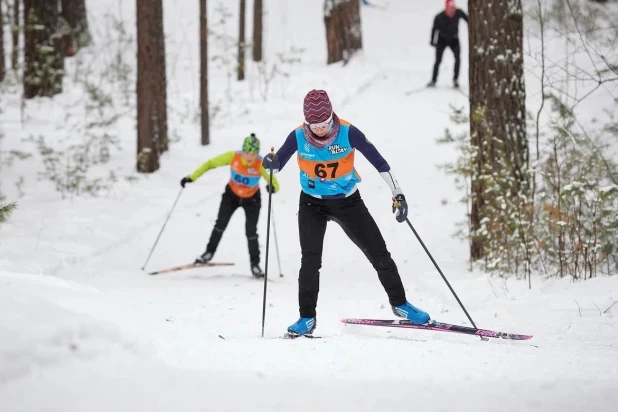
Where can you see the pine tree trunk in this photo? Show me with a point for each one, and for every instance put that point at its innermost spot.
(205, 116)
(157, 33)
(74, 12)
(343, 29)
(2, 64)
(147, 77)
(43, 60)
(241, 40)
(257, 30)
(15, 35)
(497, 99)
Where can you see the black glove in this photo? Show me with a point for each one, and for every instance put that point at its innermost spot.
(400, 208)
(271, 162)
(185, 180)
(270, 189)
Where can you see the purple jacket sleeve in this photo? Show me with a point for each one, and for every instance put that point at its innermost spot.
(287, 150)
(360, 142)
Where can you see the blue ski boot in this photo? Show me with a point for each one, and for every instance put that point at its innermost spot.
(303, 326)
(412, 313)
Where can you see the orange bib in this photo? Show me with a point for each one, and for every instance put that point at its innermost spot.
(244, 179)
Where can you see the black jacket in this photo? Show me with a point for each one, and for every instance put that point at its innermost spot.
(446, 28)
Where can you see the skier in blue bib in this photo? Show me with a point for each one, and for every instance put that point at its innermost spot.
(326, 146)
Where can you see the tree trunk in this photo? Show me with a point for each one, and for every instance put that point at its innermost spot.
(157, 33)
(43, 60)
(147, 78)
(15, 35)
(2, 66)
(74, 12)
(241, 40)
(343, 29)
(257, 30)
(497, 100)
(205, 116)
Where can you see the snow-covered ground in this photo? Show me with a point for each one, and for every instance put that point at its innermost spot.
(82, 328)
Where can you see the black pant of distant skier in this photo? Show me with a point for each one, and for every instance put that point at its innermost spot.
(442, 44)
(349, 212)
(445, 33)
(229, 203)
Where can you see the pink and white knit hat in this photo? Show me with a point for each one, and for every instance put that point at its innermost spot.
(317, 107)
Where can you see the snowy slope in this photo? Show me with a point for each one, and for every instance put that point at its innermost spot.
(83, 328)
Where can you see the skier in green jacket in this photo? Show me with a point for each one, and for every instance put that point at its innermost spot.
(242, 190)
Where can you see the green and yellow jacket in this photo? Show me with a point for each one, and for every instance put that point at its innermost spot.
(244, 176)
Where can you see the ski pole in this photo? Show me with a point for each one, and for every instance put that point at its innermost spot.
(276, 243)
(270, 195)
(436, 265)
(168, 217)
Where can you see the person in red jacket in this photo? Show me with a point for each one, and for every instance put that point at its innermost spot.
(445, 33)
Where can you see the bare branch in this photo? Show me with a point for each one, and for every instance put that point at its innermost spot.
(580, 309)
(597, 307)
(610, 173)
(581, 37)
(612, 305)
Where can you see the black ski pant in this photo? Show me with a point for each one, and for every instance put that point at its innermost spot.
(229, 203)
(358, 224)
(442, 44)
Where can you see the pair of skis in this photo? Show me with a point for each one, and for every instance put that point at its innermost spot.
(199, 265)
(431, 325)
(190, 266)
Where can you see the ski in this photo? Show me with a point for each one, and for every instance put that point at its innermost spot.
(417, 90)
(437, 326)
(190, 266)
(288, 335)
